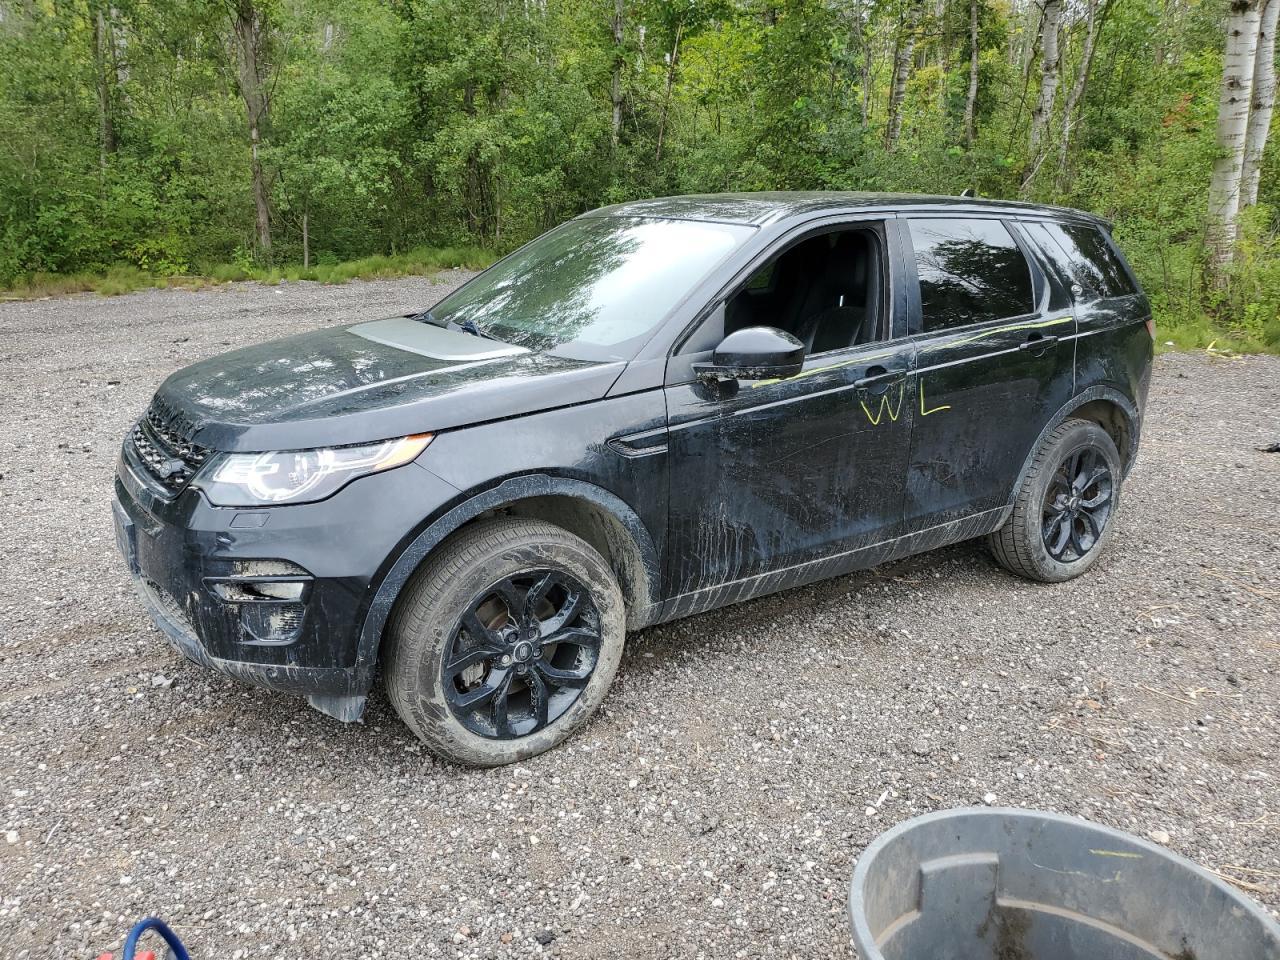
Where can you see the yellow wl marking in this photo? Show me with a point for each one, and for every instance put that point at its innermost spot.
(885, 407)
(923, 411)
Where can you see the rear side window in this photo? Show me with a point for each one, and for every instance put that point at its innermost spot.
(970, 271)
(1090, 260)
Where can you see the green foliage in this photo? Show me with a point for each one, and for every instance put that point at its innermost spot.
(1251, 308)
(125, 279)
(420, 134)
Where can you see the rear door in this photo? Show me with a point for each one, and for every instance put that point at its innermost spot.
(994, 363)
(1113, 342)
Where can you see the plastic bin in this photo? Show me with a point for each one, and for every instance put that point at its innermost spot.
(1002, 884)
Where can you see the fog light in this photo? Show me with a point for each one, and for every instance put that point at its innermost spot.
(272, 622)
(250, 591)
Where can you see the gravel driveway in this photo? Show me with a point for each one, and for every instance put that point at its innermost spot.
(744, 758)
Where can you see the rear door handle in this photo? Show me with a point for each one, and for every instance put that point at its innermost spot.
(876, 379)
(1037, 342)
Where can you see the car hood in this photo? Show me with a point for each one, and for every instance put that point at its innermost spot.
(371, 381)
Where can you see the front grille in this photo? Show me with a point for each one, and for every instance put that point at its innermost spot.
(168, 457)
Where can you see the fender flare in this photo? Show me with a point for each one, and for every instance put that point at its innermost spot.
(1132, 417)
(506, 493)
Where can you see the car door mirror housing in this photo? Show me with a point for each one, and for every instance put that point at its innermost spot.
(754, 353)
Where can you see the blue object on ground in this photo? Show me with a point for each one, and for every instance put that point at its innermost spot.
(177, 950)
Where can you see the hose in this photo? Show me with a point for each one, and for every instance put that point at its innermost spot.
(176, 950)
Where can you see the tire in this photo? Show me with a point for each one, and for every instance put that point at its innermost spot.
(458, 608)
(1053, 534)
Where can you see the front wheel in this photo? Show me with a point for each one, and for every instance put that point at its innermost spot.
(505, 642)
(1063, 516)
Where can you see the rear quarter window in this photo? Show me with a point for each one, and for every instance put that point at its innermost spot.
(970, 271)
(1089, 260)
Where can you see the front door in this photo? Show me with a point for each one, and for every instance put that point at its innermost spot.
(774, 483)
(994, 363)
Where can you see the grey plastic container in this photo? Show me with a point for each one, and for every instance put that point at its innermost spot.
(996, 884)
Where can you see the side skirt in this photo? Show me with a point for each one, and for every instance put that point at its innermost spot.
(709, 598)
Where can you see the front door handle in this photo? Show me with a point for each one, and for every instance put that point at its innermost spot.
(876, 379)
(1037, 343)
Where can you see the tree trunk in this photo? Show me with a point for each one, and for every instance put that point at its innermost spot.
(865, 80)
(251, 47)
(666, 97)
(1233, 121)
(1264, 97)
(1096, 17)
(1162, 35)
(615, 86)
(901, 72)
(1027, 45)
(306, 240)
(1049, 62)
(103, 72)
(867, 50)
(971, 96)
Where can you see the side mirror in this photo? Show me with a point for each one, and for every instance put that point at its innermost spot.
(754, 353)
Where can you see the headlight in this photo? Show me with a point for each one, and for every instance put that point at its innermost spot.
(300, 476)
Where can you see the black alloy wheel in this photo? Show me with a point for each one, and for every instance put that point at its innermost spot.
(521, 654)
(1077, 505)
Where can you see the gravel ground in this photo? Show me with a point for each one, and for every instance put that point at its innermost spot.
(714, 808)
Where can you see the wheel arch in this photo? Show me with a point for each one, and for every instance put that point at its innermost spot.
(1105, 406)
(601, 518)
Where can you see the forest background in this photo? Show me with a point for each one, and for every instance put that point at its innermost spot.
(182, 141)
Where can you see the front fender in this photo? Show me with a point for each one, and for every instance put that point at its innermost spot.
(504, 494)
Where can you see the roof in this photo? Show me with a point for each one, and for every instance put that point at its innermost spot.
(763, 208)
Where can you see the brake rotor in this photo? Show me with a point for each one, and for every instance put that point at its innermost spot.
(494, 615)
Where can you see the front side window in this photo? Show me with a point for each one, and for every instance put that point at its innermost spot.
(826, 290)
(592, 286)
(970, 271)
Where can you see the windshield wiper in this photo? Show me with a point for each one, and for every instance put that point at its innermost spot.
(466, 326)
(471, 327)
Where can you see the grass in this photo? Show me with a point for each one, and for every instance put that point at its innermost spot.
(1201, 333)
(126, 279)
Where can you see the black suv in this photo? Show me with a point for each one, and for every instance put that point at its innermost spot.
(651, 411)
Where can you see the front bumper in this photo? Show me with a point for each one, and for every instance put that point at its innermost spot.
(181, 550)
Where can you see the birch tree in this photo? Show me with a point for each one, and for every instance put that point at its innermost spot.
(1049, 63)
(1233, 122)
(1095, 17)
(1263, 100)
(902, 59)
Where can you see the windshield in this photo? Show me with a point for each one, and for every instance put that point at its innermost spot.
(591, 285)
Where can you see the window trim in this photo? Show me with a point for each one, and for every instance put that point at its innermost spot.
(880, 224)
(915, 326)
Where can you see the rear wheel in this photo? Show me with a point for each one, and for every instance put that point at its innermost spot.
(1062, 517)
(505, 642)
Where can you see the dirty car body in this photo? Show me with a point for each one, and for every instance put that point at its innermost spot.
(723, 396)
